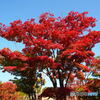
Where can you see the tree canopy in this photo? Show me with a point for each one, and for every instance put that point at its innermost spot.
(56, 46)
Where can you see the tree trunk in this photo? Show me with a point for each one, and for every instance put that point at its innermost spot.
(32, 96)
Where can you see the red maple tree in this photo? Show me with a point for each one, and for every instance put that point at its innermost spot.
(58, 46)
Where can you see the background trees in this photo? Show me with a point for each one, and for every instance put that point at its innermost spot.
(56, 46)
(8, 91)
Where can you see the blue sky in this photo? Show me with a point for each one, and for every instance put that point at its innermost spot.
(11, 10)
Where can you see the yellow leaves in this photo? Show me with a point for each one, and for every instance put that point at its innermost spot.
(39, 80)
(79, 89)
(21, 95)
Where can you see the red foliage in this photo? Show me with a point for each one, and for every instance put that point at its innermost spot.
(96, 62)
(9, 68)
(7, 91)
(53, 92)
(80, 75)
(90, 86)
(59, 45)
(80, 66)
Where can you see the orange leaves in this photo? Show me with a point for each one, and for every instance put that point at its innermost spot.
(96, 63)
(90, 53)
(7, 91)
(51, 19)
(9, 86)
(1, 58)
(5, 51)
(71, 77)
(80, 75)
(82, 67)
(93, 84)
